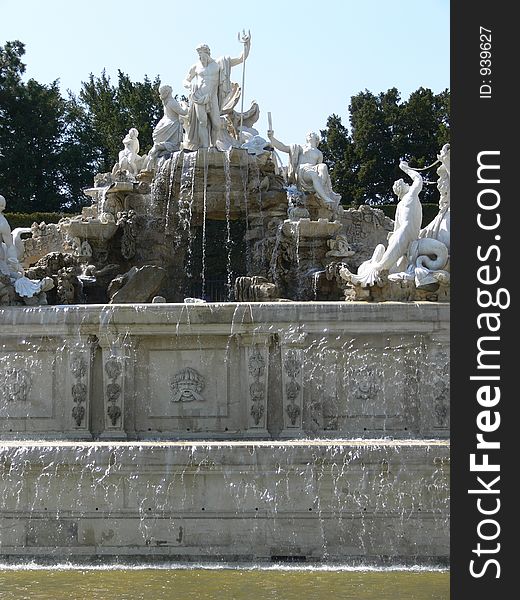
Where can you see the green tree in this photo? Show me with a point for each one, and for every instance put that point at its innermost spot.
(422, 130)
(32, 122)
(373, 122)
(339, 156)
(364, 162)
(110, 111)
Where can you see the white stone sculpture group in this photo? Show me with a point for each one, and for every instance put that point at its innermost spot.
(413, 257)
(208, 120)
(412, 253)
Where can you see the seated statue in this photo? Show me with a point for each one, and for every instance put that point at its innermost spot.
(167, 134)
(306, 168)
(129, 159)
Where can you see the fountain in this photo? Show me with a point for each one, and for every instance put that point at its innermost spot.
(184, 380)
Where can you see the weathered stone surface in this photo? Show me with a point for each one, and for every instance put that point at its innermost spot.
(365, 228)
(322, 501)
(258, 370)
(140, 285)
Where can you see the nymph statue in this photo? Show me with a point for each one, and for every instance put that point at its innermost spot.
(167, 134)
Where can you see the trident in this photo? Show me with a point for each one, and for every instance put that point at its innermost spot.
(243, 39)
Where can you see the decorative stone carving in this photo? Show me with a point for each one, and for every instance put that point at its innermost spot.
(439, 228)
(113, 389)
(415, 265)
(428, 256)
(257, 380)
(62, 269)
(299, 253)
(186, 386)
(407, 226)
(129, 159)
(127, 221)
(365, 227)
(167, 134)
(78, 367)
(339, 247)
(439, 380)
(365, 385)
(15, 286)
(15, 384)
(44, 238)
(292, 387)
(255, 289)
(9, 263)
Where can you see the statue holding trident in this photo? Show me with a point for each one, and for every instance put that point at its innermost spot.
(211, 94)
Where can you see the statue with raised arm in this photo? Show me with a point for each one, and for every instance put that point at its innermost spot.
(211, 94)
(439, 228)
(428, 256)
(306, 168)
(167, 134)
(408, 218)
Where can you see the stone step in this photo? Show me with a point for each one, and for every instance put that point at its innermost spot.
(376, 501)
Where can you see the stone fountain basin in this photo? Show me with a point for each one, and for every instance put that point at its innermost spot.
(322, 228)
(334, 501)
(92, 229)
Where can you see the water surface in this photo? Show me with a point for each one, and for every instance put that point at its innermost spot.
(222, 584)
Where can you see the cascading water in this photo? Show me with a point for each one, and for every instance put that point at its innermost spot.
(229, 242)
(186, 196)
(204, 216)
(256, 431)
(294, 499)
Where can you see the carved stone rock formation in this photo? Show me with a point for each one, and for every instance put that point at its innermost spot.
(138, 285)
(255, 289)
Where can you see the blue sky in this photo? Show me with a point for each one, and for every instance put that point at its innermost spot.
(307, 58)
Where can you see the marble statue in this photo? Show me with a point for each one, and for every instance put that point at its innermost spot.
(254, 144)
(211, 94)
(306, 168)
(167, 134)
(129, 159)
(439, 228)
(408, 218)
(31, 291)
(428, 256)
(8, 252)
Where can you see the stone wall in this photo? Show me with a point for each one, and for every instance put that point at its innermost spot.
(377, 502)
(225, 371)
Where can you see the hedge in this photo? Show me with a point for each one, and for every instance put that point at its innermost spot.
(27, 219)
